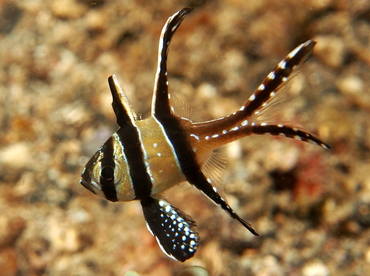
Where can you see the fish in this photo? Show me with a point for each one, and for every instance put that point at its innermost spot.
(146, 157)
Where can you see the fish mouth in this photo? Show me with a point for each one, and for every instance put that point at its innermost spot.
(87, 185)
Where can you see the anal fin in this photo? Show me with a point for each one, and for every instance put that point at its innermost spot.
(173, 229)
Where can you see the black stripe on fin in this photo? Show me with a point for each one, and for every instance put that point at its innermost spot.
(161, 102)
(277, 78)
(290, 132)
(173, 229)
(121, 105)
(129, 137)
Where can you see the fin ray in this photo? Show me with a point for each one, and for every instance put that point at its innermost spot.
(214, 167)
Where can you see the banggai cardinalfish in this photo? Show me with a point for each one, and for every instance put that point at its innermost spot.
(146, 157)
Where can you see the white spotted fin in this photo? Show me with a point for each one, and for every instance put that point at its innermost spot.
(173, 229)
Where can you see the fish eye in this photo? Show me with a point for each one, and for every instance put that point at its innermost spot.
(107, 173)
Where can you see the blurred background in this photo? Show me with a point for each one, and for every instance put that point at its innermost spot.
(309, 205)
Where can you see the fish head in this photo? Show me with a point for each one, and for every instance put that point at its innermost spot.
(106, 174)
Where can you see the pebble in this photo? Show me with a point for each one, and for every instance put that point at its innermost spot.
(11, 229)
(16, 155)
(330, 49)
(194, 271)
(315, 268)
(351, 85)
(68, 9)
(8, 262)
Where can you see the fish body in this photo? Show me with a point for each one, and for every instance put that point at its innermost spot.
(145, 157)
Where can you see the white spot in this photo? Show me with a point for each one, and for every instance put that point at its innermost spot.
(264, 104)
(159, 154)
(280, 125)
(207, 137)
(294, 52)
(295, 129)
(183, 247)
(215, 189)
(251, 98)
(155, 145)
(257, 112)
(264, 124)
(160, 171)
(234, 128)
(245, 123)
(271, 76)
(282, 64)
(224, 131)
(184, 238)
(242, 108)
(285, 79)
(167, 208)
(272, 94)
(192, 236)
(261, 87)
(281, 134)
(209, 180)
(297, 138)
(215, 135)
(162, 203)
(253, 124)
(193, 243)
(195, 136)
(181, 225)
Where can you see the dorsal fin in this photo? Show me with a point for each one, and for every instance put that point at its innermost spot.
(161, 99)
(121, 105)
(180, 108)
